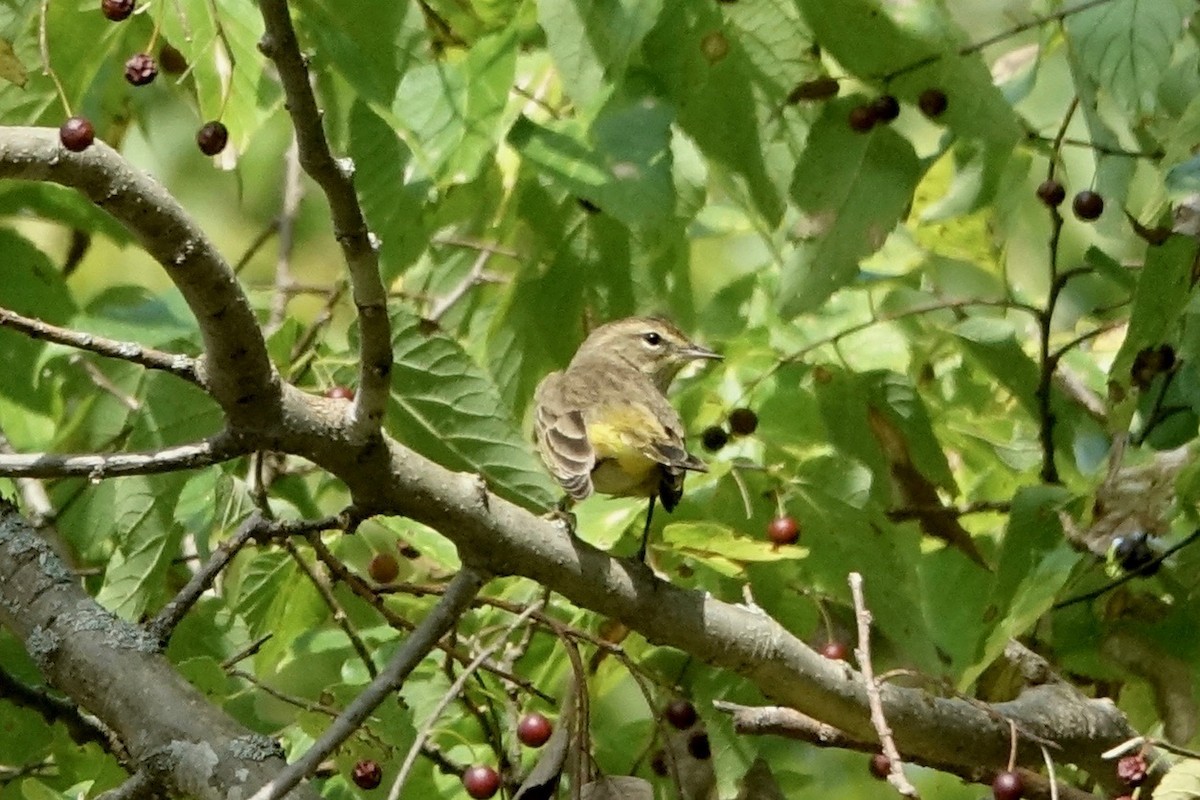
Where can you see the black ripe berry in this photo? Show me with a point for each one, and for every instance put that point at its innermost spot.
(481, 782)
(932, 103)
(783, 530)
(659, 764)
(699, 746)
(140, 69)
(1051, 192)
(171, 61)
(1088, 205)
(861, 119)
(77, 134)
(1008, 786)
(116, 10)
(680, 713)
(742, 421)
(885, 107)
(880, 766)
(367, 774)
(211, 139)
(817, 89)
(714, 438)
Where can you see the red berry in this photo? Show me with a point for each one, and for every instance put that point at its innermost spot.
(932, 102)
(211, 139)
(881, 766)
(384, 568)
(367, 774)
(835, 650)
(1051, 192)
(783, 530)
(861, 119)
(117, 10)
(339, 392)
(140, 69)
(885, 108)
(481, 782)
(77, 134)
(680, 713)
(1008, 786)
(742, 421)
(534, 729)
(1087, 205)
(1132, 770)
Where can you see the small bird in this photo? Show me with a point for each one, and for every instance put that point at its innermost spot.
(605, 425)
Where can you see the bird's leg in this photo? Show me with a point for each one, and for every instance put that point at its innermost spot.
(562, 513)
(641, 553)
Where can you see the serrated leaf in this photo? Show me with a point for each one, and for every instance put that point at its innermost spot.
(369, 43)
(622, 164)
(261, 581)
(724, 549)
(454, 111)
(147, 538)
(1127, 45)
(444, 406)
(591, 42)
(852, 188)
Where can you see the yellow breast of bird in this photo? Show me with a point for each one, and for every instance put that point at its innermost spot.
(617, 437)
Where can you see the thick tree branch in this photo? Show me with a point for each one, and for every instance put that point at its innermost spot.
(113, 669)
(213, 450)
(180, 366)
(349, 226)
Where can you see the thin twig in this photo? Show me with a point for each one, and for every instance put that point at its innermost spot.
(1128, 576)
(44, 48)
(874, 700)
(335, 608)
(1050, 773)
(452, 693)
(214, 450)
(437, 622)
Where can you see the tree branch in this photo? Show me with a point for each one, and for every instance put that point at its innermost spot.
(213, 450)
(349, 226)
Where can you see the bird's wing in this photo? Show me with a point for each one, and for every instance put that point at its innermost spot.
(562, 438)
(669, 449)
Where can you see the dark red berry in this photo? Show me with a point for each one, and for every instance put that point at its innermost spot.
(835, 650)
(339, 392)
(384, 568)
(881, 766)
(861, 119)
(783, 530)
(211, 139)
(481, 782)
(1051, 192)
(714, 438)
(117, 10)
(1008, 786)
(367, 774)
(742, 422)
(885, 108)
(77, 134)
(171, 61)
(680, 713)
(1088, 205)
(534, 729)
(699, 746)
(932, 103)
(140, 69)
(1132, 770)
(821, 88)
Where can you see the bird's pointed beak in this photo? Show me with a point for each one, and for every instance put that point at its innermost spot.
(696, 351)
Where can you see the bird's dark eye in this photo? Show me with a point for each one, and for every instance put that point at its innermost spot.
(652, 339)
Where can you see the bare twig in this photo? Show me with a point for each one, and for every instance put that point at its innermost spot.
(213, 450)
(335, 608)
(874, 701)
(440, 619)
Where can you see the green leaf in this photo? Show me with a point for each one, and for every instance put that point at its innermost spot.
(592, 41)
(1182, 782)
(724, 549)
(148, 539)
(992, 342)
(393, 206)
(11, 68)
(370, 44)
(1035, 563)
(622, 164)
(852, 189)
(454, 112)
(444, 406)
(260, 581)
(1127, 45)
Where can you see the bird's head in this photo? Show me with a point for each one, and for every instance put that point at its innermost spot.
(651, 345)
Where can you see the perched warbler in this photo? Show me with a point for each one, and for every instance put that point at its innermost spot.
(604, 424)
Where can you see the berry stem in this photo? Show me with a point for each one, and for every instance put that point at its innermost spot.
(1012, 747)
(44, 48)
